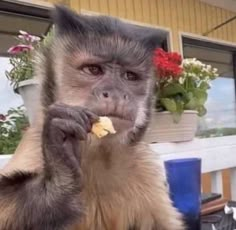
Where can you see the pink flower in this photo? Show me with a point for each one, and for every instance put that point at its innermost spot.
(2, 117)
(28, 37)
(20, 48)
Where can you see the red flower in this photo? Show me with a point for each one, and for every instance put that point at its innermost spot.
(167, 63)
(175, 57)
(19, 49)
(2, 117)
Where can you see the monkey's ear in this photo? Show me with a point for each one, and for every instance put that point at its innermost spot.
(152, 39)
(67, 21)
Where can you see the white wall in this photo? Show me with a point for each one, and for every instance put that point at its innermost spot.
(8, 98)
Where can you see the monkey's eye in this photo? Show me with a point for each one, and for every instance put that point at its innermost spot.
(130, 76)
(93, 69)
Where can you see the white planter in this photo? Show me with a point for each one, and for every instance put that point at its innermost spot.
(28, 90)
(163, 129)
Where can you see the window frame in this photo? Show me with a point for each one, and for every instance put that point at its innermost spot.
(210, 43)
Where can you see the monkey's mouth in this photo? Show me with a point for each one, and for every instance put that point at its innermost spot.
(120, 122)
(121, 117)
(117, 116)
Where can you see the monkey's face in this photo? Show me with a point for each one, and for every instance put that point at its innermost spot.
(106, 66)
(108, 80)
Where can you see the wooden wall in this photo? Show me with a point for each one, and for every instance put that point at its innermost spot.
(190, 16)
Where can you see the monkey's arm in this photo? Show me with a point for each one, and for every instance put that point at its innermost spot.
(30, 201)
(48, 199)
(37, 194)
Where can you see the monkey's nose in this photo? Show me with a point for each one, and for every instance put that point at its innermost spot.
(105, 94)
(125, 97)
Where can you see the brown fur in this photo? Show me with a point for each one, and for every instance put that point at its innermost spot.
(120, 183)
(130, 191)
(122, 188)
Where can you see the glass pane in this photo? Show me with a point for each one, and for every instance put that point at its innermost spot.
(220, 119)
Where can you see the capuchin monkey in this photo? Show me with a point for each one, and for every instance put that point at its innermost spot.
(61, 176)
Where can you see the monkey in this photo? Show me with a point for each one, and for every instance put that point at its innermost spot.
(61, 176)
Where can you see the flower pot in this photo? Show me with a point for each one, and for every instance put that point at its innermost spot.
(163, 129)
(28, 90)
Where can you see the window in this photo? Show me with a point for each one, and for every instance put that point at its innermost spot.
(16, 16)
(220, 119)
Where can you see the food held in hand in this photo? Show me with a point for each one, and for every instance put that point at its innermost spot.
(103, 127)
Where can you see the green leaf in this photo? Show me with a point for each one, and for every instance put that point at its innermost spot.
(191, 105)
(192, 102)
(201, 96)
(176, 117)
(204, 85)
(169, 104)
(201, 111)
(173, 89)
(179, 111)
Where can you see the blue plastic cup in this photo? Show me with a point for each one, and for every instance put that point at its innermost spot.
(184, 180)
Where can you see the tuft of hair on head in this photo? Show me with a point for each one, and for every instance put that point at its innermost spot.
(65, 20)
(68, 22)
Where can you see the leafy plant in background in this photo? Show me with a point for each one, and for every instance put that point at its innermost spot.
(182, 83)
(12, 126)
(14, 123)
(22, 56)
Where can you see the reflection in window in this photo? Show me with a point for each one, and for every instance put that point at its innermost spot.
(220, 119)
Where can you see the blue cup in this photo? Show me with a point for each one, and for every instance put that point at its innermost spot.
(184, 180)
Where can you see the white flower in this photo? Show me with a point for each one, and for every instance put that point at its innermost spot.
(196, 78)
(181, 80)
(208, 67)
(204, 69)
(198, 70)
(23, 32)
(28, 37)
(170, 79)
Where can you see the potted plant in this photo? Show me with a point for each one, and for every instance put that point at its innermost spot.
(181, 94)
(21, 75)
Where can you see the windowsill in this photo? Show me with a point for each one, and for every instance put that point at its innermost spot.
(220, 150)
(196, 144)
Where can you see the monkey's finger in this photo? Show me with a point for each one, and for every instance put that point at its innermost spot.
(88, 116)
(86, 120)
(92, 116)
(69, 112)
(69, 157)
(70, 128)
(52, 135)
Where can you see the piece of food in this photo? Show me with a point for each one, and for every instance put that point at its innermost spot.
(103, 127)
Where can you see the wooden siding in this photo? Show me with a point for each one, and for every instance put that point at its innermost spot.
(190, 16)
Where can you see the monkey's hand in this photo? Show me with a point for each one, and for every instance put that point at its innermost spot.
(49, 199)
(64, 127)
